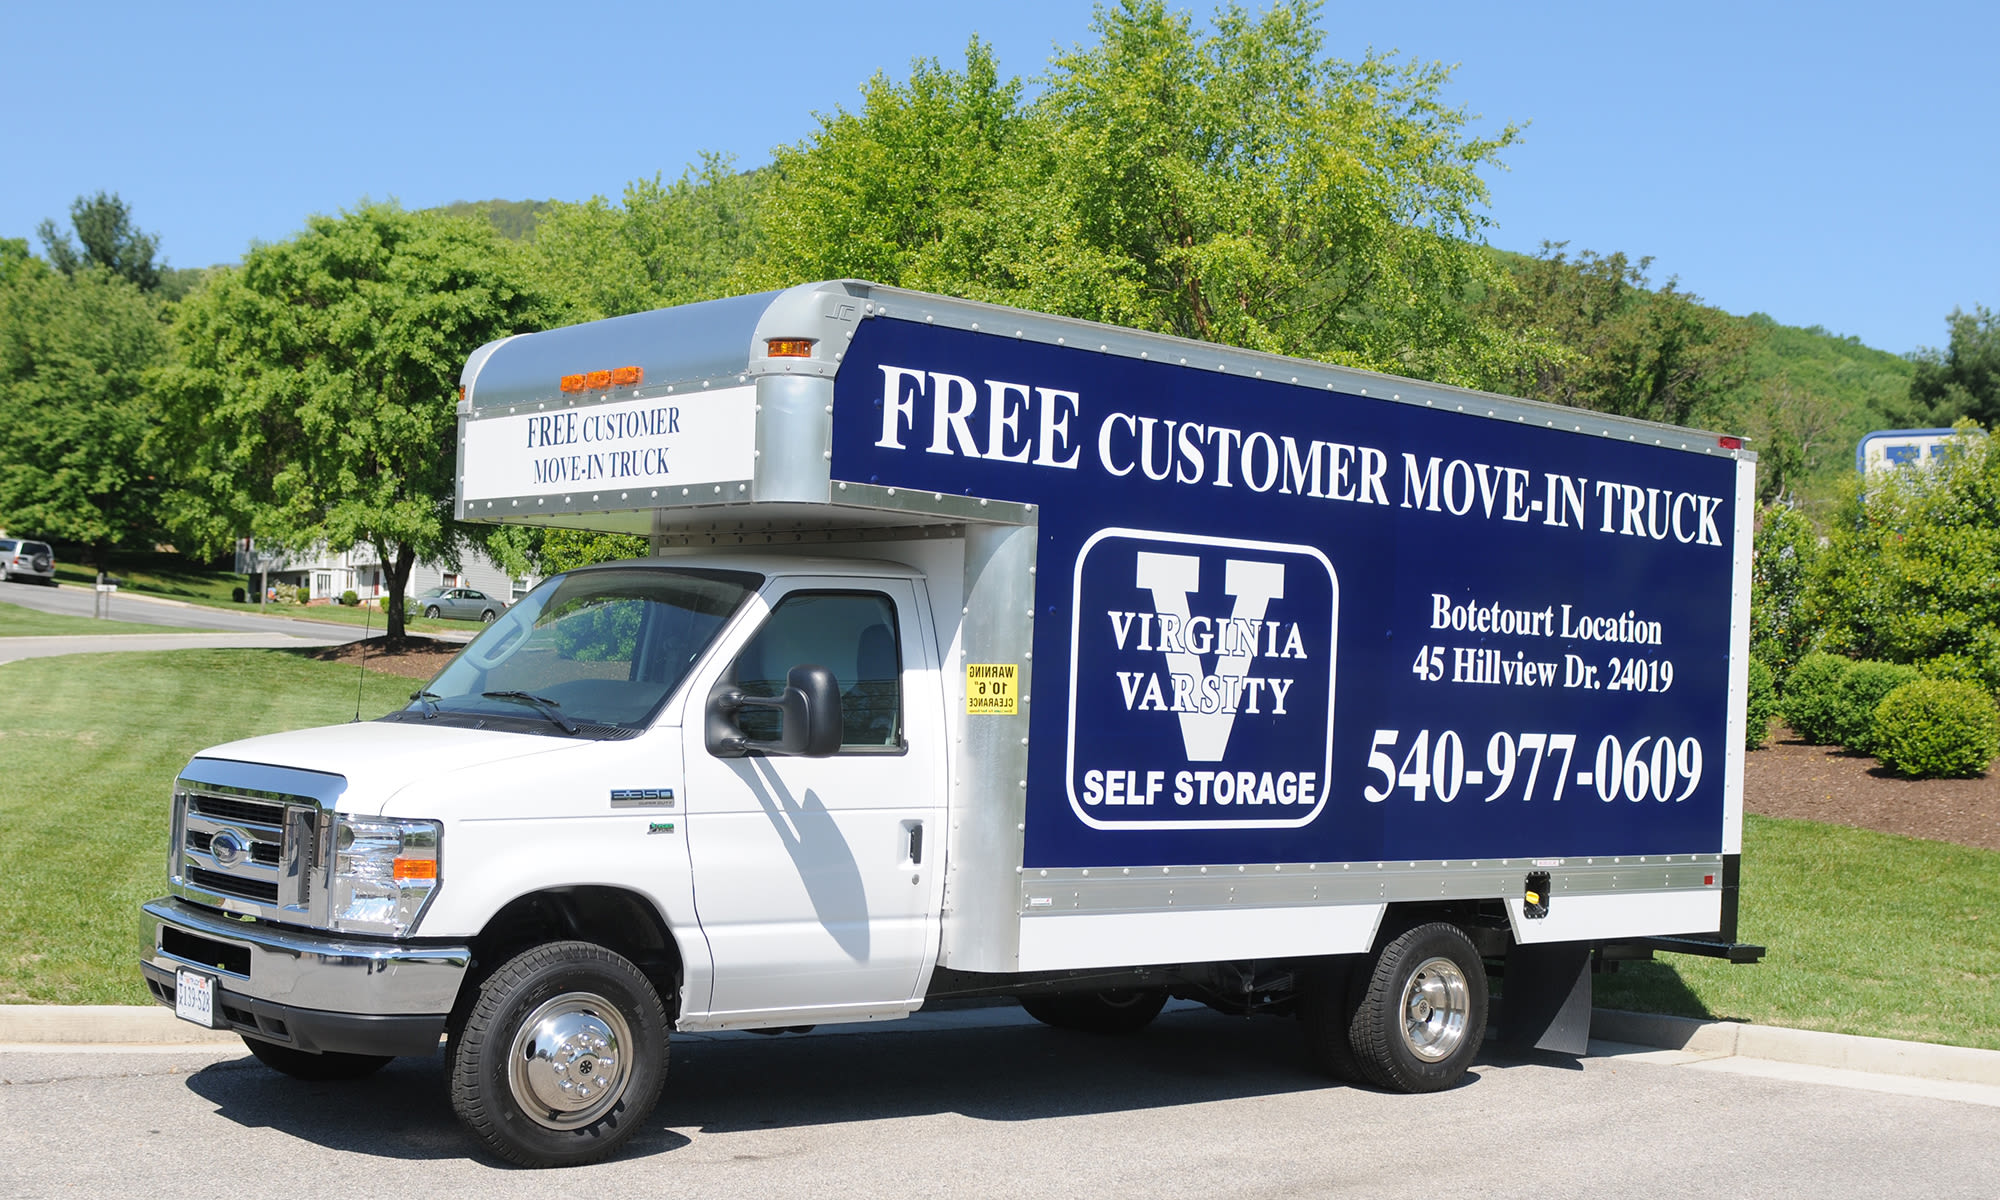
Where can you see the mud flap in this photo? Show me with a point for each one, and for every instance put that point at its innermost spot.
(1547, 1002)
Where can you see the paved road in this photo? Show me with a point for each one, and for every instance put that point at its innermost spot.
(1198, 1106)
(126, 606)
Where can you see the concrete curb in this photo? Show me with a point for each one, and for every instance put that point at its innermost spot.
(93, 1024)
(117, 1024)
(1806, 1047)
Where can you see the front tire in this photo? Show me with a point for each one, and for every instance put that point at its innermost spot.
(317, 1068)
(1421, 1014)
(1117, 1011)
(431, 611)
(561, 1056)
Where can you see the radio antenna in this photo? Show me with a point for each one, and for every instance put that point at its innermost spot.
(367, 624)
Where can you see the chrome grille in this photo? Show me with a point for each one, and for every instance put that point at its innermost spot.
(228, 808)
(233, 885)
(248, 850)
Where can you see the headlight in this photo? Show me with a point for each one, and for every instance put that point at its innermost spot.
(384, 873)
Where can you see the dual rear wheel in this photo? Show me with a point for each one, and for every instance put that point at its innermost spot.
(1408, 1018)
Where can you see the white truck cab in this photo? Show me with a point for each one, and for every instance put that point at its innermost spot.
(989, 653)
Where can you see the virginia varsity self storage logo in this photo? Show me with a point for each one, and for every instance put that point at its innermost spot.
(1201, 682)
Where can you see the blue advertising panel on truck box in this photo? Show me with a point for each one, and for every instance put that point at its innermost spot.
(1284, 623)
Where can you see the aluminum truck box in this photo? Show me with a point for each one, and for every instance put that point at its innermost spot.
(984, 653)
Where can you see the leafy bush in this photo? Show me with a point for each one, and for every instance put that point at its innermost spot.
(1762, 707)
(1782, 613)
(305, 595)
(1935, 728)
(1910, 574)
(350, 598)
(1861, 689)
(237, 594)
(1812, 697)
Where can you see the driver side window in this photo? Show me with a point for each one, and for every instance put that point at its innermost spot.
(852, 634)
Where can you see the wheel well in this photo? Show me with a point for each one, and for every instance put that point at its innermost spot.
(621, 921)
(1485, 922)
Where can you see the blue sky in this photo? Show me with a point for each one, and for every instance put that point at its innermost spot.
(1831, 164)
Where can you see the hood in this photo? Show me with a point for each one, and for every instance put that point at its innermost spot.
(380, 758)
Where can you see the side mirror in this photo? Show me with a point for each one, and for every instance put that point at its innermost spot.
(808, 717)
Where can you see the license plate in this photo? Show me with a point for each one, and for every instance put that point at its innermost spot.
(194, 998)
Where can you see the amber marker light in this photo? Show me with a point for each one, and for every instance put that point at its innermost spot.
(414, 868)
(597, 381)
(788, 347)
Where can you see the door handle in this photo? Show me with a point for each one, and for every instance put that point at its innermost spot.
(915, 829)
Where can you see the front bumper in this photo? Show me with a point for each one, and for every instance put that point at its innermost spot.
(304, 988)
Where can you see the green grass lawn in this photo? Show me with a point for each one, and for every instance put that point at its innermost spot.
(1868, 933)
(16, 621)
(93, 743)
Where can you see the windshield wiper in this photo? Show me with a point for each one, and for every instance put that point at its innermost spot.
(543, 704)
(430, 702)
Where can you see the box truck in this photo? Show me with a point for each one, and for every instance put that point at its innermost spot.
(985, 653)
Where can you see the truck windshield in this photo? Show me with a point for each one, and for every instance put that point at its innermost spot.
(593, 651)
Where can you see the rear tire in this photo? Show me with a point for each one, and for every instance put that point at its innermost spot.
(561, 1056)
(1117, 1011)
(487, 616)
(301, 1064)
(1421, 1014)
(1329, 994)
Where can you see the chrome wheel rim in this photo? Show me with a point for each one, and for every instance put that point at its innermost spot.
(1437, 1002)
(568, 1064)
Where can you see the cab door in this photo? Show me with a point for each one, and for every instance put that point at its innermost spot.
(816, 879)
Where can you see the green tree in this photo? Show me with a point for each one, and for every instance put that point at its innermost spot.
(74, 350)
(1796, 434)
(1783, 618)
(110, 240)
(1962, 380)
(1235, 185)
(1614, 344)
(313, 401)
(1913, 571)
(663, 244)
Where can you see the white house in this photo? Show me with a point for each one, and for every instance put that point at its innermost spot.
(327, 575)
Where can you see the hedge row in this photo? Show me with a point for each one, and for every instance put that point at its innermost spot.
(1923, 728)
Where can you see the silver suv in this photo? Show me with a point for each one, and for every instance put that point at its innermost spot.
(27, 560)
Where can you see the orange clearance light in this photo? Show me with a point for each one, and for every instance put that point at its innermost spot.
(572, 383)
(414, 868)
(626, 376)
(597, 379)
(788, 347)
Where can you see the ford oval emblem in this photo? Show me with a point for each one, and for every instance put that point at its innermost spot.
(227, 848)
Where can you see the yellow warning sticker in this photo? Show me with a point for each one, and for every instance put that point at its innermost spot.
(993, 688)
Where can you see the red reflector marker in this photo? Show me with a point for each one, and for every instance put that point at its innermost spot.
(1731, 443)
